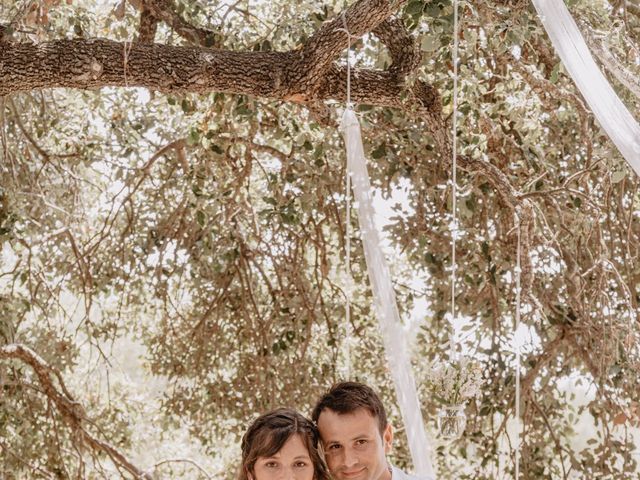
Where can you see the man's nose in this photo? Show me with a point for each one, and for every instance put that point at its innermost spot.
(350, 457)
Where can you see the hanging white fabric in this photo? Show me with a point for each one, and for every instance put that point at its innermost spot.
(386, 309)
(613, 116)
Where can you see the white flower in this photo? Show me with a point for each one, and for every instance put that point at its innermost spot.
(455, 382)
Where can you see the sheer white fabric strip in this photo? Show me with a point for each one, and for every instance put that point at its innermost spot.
(385, 301)
(610, 112)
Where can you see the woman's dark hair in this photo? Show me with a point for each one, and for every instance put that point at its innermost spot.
(268, 434)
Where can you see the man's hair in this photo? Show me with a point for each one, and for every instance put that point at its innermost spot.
(347, 397)
(268, 434)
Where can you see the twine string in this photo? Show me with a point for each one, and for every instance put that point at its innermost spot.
(453, 350)
(517, 347)
(346, 30)
(349, 280)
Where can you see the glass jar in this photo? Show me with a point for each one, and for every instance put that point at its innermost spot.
(451, 421)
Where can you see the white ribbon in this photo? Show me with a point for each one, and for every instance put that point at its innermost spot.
(613, 116)
(386, 309)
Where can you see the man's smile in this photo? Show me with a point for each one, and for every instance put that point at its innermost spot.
(353, 472)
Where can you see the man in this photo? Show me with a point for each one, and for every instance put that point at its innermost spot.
(355, 434)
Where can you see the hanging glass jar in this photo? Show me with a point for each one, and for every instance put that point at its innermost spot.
(451, 421)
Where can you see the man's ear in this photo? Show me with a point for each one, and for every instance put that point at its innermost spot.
(387, 438)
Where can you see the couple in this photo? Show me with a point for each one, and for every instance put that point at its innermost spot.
(352, 431)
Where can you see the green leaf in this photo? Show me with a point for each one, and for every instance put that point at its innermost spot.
(430, 43)
(187, 106)
(414, 7)
(201, 218)
(553, 78)
(379, 152)
(216, 149)
(618, 176)
(433, 9)
(210, 40)
(243, 110)
(194, 137)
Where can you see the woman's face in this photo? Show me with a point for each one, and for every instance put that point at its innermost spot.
(292, 462)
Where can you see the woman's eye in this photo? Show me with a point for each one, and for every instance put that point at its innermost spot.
(301, 464)
(271, 464)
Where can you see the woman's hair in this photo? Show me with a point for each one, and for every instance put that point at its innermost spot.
(268, 434)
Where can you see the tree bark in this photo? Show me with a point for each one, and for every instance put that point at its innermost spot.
(96, 63)
(307, 74)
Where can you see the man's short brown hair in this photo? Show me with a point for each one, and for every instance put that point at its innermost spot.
(347, 397)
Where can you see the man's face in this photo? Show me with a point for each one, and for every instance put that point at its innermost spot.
(353, 446)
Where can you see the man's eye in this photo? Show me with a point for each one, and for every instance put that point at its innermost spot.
(362, 441)
(333, 447)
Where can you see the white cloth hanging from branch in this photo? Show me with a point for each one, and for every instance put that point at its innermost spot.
(613, 116)
(386, 309)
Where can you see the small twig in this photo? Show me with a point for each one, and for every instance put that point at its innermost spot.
(182, 460)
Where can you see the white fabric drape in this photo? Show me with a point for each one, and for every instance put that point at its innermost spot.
(385, 301)
(610, 112)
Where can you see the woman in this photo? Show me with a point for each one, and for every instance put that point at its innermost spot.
(282, 444)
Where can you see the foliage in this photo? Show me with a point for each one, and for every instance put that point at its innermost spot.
(210, 230)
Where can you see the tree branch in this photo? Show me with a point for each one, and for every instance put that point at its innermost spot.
(295, 75)
(69, 408)
(164, 10)
(520, 206)
(548, 352)
(402, 47)
(148, 26)
(322, 49)
(95, 63)
(602, 51)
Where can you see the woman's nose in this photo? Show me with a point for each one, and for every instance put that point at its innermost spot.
(288, 474)
(293, 476)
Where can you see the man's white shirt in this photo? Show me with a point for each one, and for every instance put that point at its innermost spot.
(397, 474)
